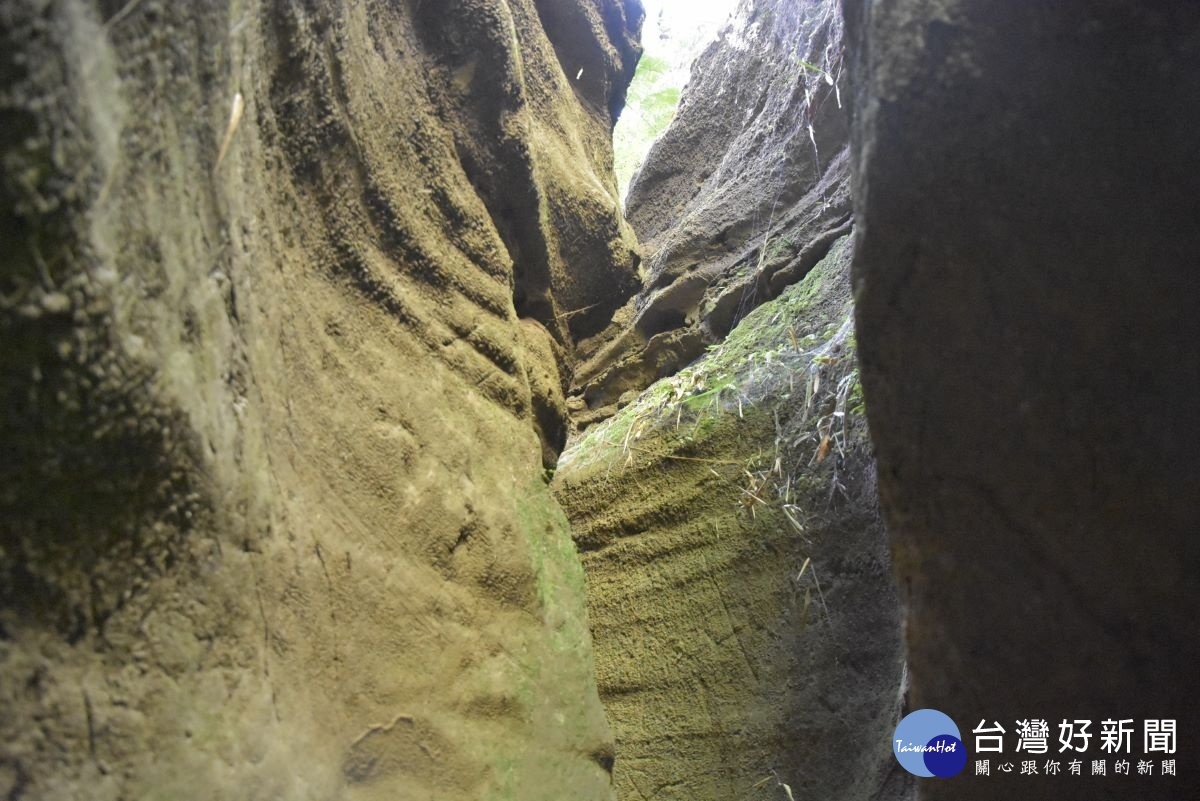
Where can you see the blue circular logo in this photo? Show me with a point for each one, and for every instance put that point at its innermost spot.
(927, 743)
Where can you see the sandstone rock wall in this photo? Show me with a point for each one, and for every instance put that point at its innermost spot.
(742, 195)
(746, 628)
(289, 292)
(747, 632)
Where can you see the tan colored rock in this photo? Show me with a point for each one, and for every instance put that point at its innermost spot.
(274, 523)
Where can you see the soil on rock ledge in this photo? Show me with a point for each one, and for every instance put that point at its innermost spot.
(274, 520)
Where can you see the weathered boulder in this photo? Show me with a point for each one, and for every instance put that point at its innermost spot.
(741, 196)
(746, 629)
(289, 291)
(1026, 176)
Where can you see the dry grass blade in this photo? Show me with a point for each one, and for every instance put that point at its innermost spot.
(235, 119)
(791, 518)
(782, 784)
(821, 595)
(804, 568)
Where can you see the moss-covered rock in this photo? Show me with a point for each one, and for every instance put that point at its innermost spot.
(745, 625)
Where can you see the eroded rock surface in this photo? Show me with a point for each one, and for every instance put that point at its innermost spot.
(1026, 272)
(289, 293)
(742, 195)
(746, 628)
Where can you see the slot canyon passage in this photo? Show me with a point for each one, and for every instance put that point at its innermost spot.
(360, 441)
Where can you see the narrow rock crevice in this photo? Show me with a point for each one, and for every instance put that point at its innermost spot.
(721, 486)
(735, 202)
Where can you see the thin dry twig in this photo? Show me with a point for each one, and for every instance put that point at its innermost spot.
(125, 11)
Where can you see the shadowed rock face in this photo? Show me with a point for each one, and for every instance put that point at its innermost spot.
(1026, 283)
(273, 522)
(741, 196)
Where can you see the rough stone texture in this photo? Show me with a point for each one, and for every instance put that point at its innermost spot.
(742, 195)
(746, 628)
(1026, 286)
(273, 522)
